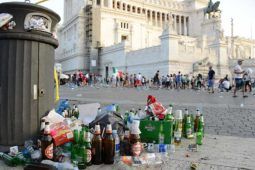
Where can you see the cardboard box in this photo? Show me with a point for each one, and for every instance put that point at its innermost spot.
(150, 131)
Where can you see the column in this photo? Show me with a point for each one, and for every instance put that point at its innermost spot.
(124, 6)
(109, 4)
(148, 18)
(160, 19)
(185, 26)
(180, 25)
(101, 3)
(121, 5)
(115, 4)
(174, 19)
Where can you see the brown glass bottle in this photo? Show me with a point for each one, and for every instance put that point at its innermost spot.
(125, 145)
(97, 147)
(108, 146)
(196, 121)
(47, 143)
(136, 145)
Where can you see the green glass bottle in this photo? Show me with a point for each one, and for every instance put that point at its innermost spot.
(201, 125)
(178, 127)
(184, 123)
(9, 160)
(199, 138)
(88, 147)
(188, 127)
(82, 152)
(75, 146)
(76, 113)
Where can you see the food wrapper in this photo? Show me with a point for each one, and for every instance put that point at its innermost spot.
(61, 133)
(155, 108)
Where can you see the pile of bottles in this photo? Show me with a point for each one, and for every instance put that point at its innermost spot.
(104, 145)
(71, 112)
(188, 126)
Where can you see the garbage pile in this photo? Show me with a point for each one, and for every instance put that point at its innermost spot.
(139, 137)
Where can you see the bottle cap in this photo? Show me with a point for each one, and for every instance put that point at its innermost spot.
(109, 128)
(97, 129)
(178, 114)
(135, 127)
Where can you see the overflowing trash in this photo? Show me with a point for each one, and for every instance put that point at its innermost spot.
(135, 138)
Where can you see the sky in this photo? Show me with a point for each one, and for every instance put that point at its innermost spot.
(242, 11)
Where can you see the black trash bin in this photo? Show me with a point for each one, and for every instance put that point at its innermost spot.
(26, 69)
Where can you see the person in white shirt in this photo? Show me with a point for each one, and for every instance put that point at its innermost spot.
(139, 79)
(238, 75)
(226, 85)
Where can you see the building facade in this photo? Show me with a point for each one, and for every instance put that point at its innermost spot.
(145, 36)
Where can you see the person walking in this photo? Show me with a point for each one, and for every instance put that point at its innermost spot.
(238, 75)
(211, 77)
(156, 79)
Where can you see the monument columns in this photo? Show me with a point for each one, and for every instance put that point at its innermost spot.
(185, 26)
(160, 20)
(115, 4)
(180, 25)
(121, 5)
(175, 22)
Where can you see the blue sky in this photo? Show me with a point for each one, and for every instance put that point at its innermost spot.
(242, 11)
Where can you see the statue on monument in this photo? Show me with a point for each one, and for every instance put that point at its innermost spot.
(169, 26)
(212, 7)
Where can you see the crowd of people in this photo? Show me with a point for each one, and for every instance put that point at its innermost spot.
(241, 80)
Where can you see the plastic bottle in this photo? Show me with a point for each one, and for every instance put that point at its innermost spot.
(117, 143)
(99, 111)
(170, 109)
(29, 146)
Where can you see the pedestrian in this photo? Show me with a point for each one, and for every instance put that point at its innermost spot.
(178, 80)
(139, 79)
(156, 79)
(167, 81)
(238, 75)
(211, 77)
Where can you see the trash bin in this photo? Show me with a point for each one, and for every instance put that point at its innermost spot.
(26, 69)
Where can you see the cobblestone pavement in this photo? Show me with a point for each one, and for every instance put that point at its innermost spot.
(217, 153)
(224, 115)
